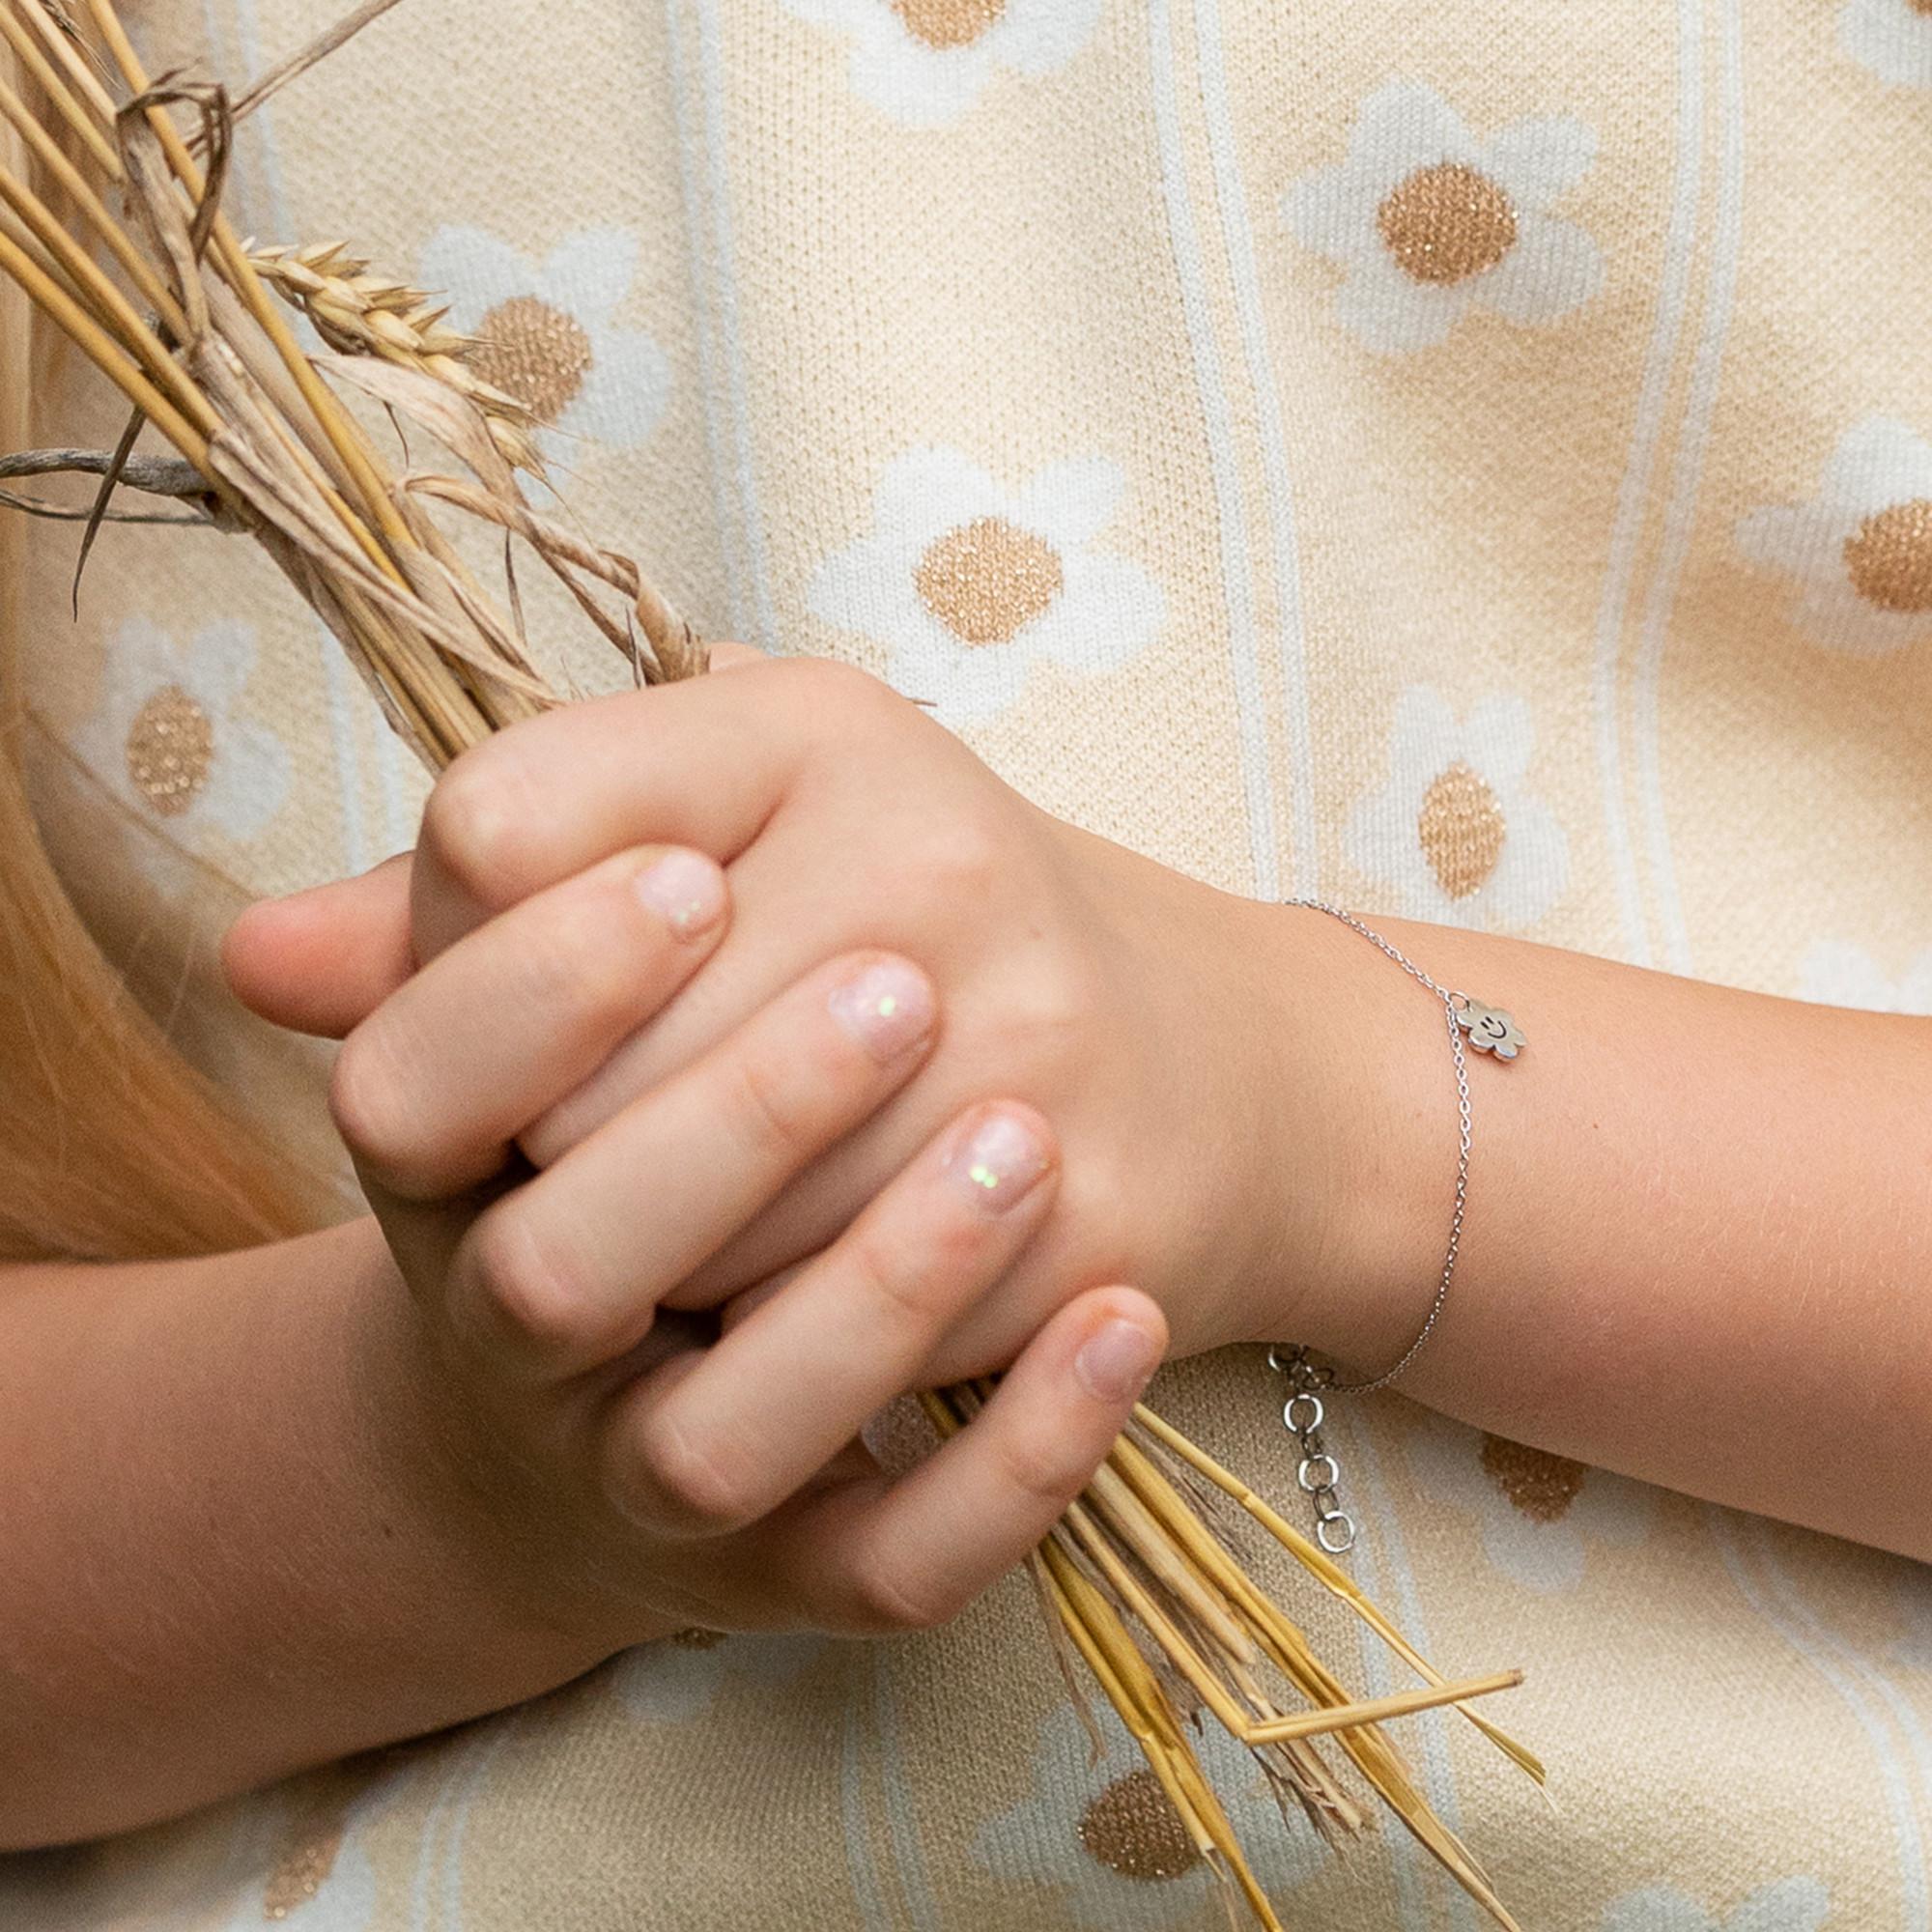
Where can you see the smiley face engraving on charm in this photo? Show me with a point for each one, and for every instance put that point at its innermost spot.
(1490, 1029)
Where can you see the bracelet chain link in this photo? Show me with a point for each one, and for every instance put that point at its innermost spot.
(1489, 1031)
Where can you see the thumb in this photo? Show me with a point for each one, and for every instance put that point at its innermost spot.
(320, 962)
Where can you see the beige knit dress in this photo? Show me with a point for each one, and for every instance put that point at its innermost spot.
(1472, 461)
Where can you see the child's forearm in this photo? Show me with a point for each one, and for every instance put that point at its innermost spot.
(222, 1562)
(1699, 1235)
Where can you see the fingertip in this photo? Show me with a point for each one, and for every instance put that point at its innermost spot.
(319, 960)
(237, 949)
(687, 889)
(263, 947)
(1122, 1334)
(735, 657)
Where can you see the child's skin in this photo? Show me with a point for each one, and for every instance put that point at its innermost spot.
(913, 1088)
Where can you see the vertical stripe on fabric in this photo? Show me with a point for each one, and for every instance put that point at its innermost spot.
(1840, 1668)
(704, 327)
(1217, 423)
(429, 1867)
(342, 689)
(866, 1893)
(1639, 468)
(1237, 237)
(1693, 445)
(908, 1854)
(715, 154)
(399, 818)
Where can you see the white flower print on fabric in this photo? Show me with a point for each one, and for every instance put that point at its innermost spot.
(545, 334)
(308, 1856)
(1429, 223)
(1454, 834)
(342, 1898)
(679, 1677)
(165, 739)
(1538, 1514)
(1106, 1840)
(1838, 974)
(1860, 551)
(1790, 1905)
(923, 62)
(969, 584)
(1894, 38)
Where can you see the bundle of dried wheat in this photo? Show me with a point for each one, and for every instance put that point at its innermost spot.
(116, 233)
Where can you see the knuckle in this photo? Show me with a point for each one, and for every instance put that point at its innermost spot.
(1034, 1467)
(369, 1102)
(960, 857)
(534, 1287)
(1051, 1003)
(765, 1108)
(839, 694)
(881, 1601)
(885, 1271)
(580, 964)
(475, 828)
(682, 1486)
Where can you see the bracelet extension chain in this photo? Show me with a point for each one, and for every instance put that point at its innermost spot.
(1311, 1380)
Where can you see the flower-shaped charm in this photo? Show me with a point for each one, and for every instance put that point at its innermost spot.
(1490, 1029)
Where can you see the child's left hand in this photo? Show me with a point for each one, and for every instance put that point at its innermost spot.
(1141, 1011)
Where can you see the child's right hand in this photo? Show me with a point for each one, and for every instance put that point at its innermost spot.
(622, 1475)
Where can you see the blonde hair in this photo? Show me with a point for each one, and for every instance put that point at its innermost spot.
(111, 1147)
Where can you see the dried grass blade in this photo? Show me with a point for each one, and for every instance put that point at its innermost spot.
(62, 33)
(448, 416)
(59, 96)
(81, 193)
(676, 650)
(97, 513)
(1136, 1693)
(1319, 1563)
(65, 312)
(86, 284)
(247, 285)
(1374, 1709)
(298, 62)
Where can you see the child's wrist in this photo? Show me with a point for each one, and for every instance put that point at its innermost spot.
(1359, 1142)
(517, 1583)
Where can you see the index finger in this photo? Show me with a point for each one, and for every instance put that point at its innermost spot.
(322, 960)
(703, 763)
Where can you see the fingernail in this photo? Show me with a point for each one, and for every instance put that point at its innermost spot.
(997, 1162)
(1115, 1361)
(685, 890)
(887, 1009)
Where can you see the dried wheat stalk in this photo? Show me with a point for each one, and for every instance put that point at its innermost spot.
(1142, 1578)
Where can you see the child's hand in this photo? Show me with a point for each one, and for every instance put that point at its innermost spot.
(1140, 1011)
(625, 1476)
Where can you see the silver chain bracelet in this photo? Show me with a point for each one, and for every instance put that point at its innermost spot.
(1490, 1031)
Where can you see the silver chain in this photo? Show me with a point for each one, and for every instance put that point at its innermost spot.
(1303, 1414)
